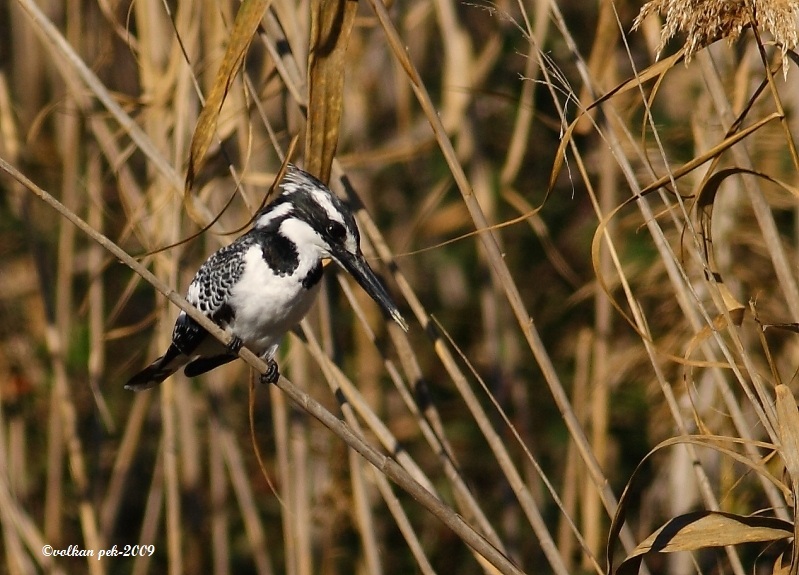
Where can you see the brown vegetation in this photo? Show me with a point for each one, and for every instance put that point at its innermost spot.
(538, 184)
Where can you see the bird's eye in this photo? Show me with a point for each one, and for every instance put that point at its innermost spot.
(336, 231)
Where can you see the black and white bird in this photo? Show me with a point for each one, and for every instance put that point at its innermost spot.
(264, 283)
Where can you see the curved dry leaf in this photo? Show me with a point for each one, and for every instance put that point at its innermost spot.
(779, 568)
(699, 441)
(596, 245)
(656, 70)
(788, 419)
(704, 201)
(331, 24)
(710, 154)
(247, 20)
(704, 529)
(553, 254)
(710, 187)
(734, 308)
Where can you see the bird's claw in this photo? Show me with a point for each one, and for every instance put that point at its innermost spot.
(272, 373)
(235, 345)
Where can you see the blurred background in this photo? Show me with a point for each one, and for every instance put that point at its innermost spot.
(547, 356)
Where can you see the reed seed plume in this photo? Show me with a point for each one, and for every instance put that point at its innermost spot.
(704, 22)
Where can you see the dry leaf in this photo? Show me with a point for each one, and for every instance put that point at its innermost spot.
(247, 20)
(788, 421)
(703, 529)
(331, 24)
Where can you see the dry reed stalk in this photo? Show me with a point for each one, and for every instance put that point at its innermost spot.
(55, 458)
(600, 389)
(276, 89)
(123, 463)
(511, 290)
(351, 403)
(301, 506)
(16, 560)
(246, 501)
(96, 294)
(381, 462)
(190, 470)
(571, 471)
(281, 432)
(300, 485)
(430, 423)
(741, 426)
(174, 524)
(218, 489)
(152, 513)
(362, 512)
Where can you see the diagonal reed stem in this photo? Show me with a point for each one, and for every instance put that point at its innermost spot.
(384, 464)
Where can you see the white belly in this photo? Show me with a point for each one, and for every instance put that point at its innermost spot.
(268, 305)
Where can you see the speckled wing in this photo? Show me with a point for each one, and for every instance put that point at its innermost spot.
(209, 292)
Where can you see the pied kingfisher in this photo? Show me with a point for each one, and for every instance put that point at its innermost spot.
(262, 284)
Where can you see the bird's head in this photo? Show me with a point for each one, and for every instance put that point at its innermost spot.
(309, 214)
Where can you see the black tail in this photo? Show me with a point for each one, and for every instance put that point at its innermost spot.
(204, 364)
(158, 370)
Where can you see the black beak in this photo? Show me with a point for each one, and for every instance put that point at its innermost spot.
(356, 265)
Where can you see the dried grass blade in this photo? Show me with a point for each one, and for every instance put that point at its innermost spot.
(76, 66)
(765, 217)
(704, 529)
(494, 255)
(712, 153)
(352, 404)
(708, 441)
(245, 497)
(247, 20)
(705, 201)
(707, 193)
(123, 463)
(788, 420)
(331, 24)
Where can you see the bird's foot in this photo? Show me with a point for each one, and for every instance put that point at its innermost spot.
(235, 345)
(272, 373)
